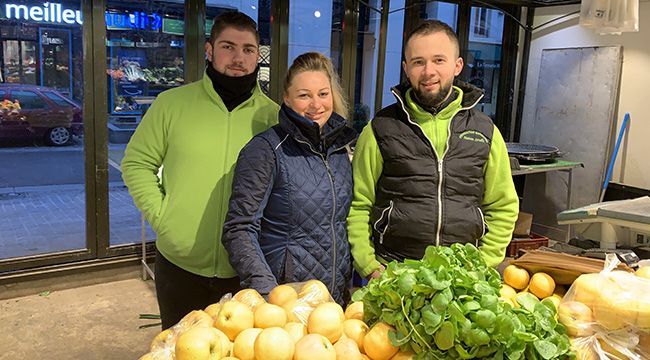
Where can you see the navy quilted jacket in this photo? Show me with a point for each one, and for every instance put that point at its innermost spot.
(291, 195)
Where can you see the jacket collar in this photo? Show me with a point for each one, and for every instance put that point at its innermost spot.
(335, 133)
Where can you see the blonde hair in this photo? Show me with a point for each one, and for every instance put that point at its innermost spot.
(315, 61)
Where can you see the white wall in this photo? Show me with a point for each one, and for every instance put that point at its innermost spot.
(632, 164)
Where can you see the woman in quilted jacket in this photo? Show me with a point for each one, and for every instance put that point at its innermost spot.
(292, 189)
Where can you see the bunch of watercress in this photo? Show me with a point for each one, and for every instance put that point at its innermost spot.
(446, 306)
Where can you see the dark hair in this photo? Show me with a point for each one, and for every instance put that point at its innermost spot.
(233, 19)
(431, 27)
(315, 61)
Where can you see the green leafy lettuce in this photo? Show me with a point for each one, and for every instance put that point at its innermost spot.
(446, 306)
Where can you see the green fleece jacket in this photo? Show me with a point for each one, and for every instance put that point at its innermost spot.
(500, 203)
(190, 135)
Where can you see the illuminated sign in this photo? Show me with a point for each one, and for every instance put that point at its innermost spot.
(136, 20)
(49, 12)
(55, 13)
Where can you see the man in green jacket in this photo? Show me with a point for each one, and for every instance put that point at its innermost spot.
(193, 135)
(430, 169)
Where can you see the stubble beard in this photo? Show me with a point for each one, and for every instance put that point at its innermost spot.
(433, 100)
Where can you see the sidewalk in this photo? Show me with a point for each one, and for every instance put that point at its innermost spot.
(51, 219)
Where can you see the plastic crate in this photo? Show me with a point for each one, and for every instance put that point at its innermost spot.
(533, 242)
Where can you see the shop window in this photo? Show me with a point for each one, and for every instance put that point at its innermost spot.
(439, 10)
(316, 26)
(144, 48)
(483, 60)
(480, 26)
(393, 60)
(42, 193)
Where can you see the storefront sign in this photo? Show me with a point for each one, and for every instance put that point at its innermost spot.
(57, 14)
(48, 12)
(136, 20)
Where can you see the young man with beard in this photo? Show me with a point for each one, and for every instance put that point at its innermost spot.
(430, 169)
(194, 133)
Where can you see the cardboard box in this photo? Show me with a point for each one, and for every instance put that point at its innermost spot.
(523, 224)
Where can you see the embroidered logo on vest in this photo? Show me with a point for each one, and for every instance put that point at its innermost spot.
(473, 135)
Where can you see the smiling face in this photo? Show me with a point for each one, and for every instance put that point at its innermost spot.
(310, 95)
(431, 64)
(234, 52)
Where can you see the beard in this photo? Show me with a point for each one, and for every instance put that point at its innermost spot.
(431, 100)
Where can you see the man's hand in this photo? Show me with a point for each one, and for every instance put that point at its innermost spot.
(375, 274)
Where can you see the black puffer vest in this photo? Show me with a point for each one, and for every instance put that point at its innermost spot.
(424, 198)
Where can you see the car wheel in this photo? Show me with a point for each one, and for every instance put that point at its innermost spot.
(58, 136)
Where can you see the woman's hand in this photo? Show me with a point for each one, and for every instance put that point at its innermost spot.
(375, 274)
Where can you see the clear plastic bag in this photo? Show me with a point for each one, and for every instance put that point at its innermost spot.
(297, 299)
(608, 313)
(610, 16)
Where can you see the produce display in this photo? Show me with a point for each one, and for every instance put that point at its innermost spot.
(9, 107)
(300, 321)
(447, 306)
(608, 314)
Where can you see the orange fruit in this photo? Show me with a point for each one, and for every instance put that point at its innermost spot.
(243, 348)
(507, 291)
(282, 294)
(233, 318)
(249, 297)
(273, 344)
(347, 349)
(541, 285)
(356, 330)
(516, 277)
(354, 311)
(296, 330)
(314, 292)
(269, 315)
(376, 343)
(314, 347)
(327, 320)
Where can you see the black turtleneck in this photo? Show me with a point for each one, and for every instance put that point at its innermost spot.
(233, 90)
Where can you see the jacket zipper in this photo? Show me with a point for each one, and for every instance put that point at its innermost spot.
(389, 209)
(480, 212)
(331, 178)
(439, 159)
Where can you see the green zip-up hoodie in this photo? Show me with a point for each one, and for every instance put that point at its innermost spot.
(500, 201)
(190, 135)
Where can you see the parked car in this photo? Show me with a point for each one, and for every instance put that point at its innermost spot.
(37, 112)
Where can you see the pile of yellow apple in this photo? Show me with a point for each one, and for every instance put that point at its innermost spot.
(302, 324)
(518, 282)
(595, 307)
(615, 303)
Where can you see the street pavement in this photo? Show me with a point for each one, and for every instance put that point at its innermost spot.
(43, 202)
(44, 166)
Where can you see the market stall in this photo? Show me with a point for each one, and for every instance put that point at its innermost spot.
(448, 305)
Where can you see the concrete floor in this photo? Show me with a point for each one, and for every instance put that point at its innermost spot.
(89, 322)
